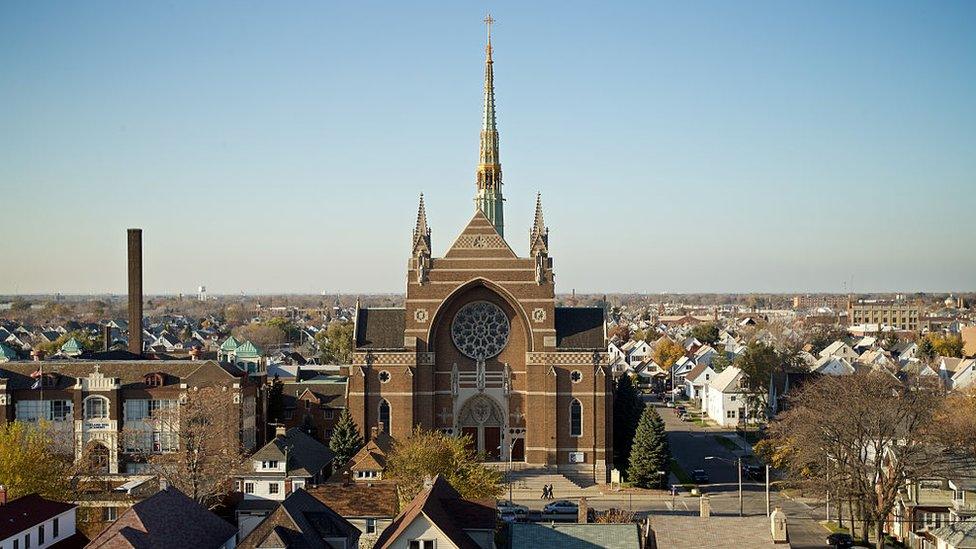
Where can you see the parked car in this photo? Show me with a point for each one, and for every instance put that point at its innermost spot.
(505, 506)
(754, 471)
(699, 476)
(562, 506)
(840, 540)
(508, 517)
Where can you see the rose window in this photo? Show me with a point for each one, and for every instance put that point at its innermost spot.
(480, 330)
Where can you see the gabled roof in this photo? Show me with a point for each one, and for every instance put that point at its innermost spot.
(166, 520)
(380, 328)
(960, 534)
(230, 344)
(480, 238)
(696, 372)
(359, 499)
(446, 509)
(247, 350)
(306, 456)
(726, 380)
(301, 522)
(28, 511)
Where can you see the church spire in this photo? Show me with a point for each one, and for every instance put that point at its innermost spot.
(539, 235)
(489, 174)
(421, 232)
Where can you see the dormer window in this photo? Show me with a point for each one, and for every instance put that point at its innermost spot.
(154, 380)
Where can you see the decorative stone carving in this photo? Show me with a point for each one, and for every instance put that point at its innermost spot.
(421, 315)
(480, 330)
(538, 314)
(480, 242)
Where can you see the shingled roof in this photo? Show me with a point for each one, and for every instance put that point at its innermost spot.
(301, 522)
(306, 456)
(443, 506)
(380, 328)
(28, 511)
(168, 519)
(580, 328)
(131, 374)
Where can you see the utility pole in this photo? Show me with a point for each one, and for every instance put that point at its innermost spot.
(740, 485)
(767, 490)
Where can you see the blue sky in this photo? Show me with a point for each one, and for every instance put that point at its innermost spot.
(683, 147)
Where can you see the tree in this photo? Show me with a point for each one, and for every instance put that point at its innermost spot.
(720, 362)
(335, 343)
(947, 345)
(706, 332)
(823, 335)
(863, 451)
(627, 409)
(203, 449)
(667, 352)
(759, 363)
(33, 461)
(345, 440)
(87, 341)
(262, 335)
(620, 331)
(276, 400)
(650, 454)
(926, 350)
(424, 454)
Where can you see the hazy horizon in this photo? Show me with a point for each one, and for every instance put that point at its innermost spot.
(762, 147)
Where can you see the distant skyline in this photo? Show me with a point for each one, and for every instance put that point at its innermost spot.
(281, 148)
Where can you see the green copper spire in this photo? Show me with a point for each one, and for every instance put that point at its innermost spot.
(489, 176)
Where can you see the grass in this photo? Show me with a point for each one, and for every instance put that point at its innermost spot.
(833, 527)
(727, 442)
(683, 477)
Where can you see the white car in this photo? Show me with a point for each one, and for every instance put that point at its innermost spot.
(505, 507)
(561, 507)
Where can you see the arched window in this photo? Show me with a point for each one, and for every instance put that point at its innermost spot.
(154, 380)
(385, 415)
(575, 418)
(96, 407)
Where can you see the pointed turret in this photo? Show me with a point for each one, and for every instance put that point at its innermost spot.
(421, 243)
(539, 235)
(489, 174)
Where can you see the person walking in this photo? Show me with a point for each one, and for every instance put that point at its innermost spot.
(545, 491)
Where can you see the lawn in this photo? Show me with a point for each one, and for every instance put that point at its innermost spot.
(727, 442)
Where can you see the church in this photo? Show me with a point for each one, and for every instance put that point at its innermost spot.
(480, 347)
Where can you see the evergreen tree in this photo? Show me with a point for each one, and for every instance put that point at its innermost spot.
(650, 453)
(276, 400)
(627, 408)
(345, 440)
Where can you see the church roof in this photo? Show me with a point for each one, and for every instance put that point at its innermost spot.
(480, 239)
(380, 328)
(580, 328)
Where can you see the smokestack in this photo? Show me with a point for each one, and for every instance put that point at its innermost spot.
(106, 337)
(135, 291)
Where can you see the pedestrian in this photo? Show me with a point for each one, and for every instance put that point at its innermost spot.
(545, 491)
(549, 491)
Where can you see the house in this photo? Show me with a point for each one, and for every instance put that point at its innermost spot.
(696, 381)
(638, 352)
(839, 349)
(369, 463)
(704, 354)
(439, 518)
(956, 373)
(302, 521)
(36, 522)
(7, 354)
(314, 405)
(680, 369)
(167, 519)
(291, 461)
(923, 505)
(370, 506)
(904, 351)
(831, 365)
(955, 535)
(727, 402)
(532, 535)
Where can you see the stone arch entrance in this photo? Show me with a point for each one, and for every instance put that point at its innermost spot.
(482, 419)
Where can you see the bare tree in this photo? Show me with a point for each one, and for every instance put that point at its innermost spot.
(194, 446)
(861, 437)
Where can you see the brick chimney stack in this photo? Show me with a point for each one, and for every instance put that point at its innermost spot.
(106, 337)
(135, 291)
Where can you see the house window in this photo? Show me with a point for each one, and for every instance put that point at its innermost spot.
(248, 487)
(327, 414)
(27, 540)
(732, 398)
(55, 530)
(575, 418)
(96, 407)
(959, 495)
(730, 414)
(385, 415)
(273, 464)
(40, 535)
(422, 544)
(273, 487)
(370, 526)
(109, 514)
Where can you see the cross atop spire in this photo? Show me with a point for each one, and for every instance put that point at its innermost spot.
(489, 176)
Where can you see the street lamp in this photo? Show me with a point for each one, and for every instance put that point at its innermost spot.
(738, 462)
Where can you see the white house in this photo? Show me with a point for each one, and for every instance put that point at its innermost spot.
(834, 366)
(35, 522)
(839, 349)
(727, 402)
(956, 373)
(697, 380)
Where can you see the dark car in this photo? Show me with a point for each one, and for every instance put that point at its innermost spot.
(840, 540)
(754, 471)
(699, 476)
